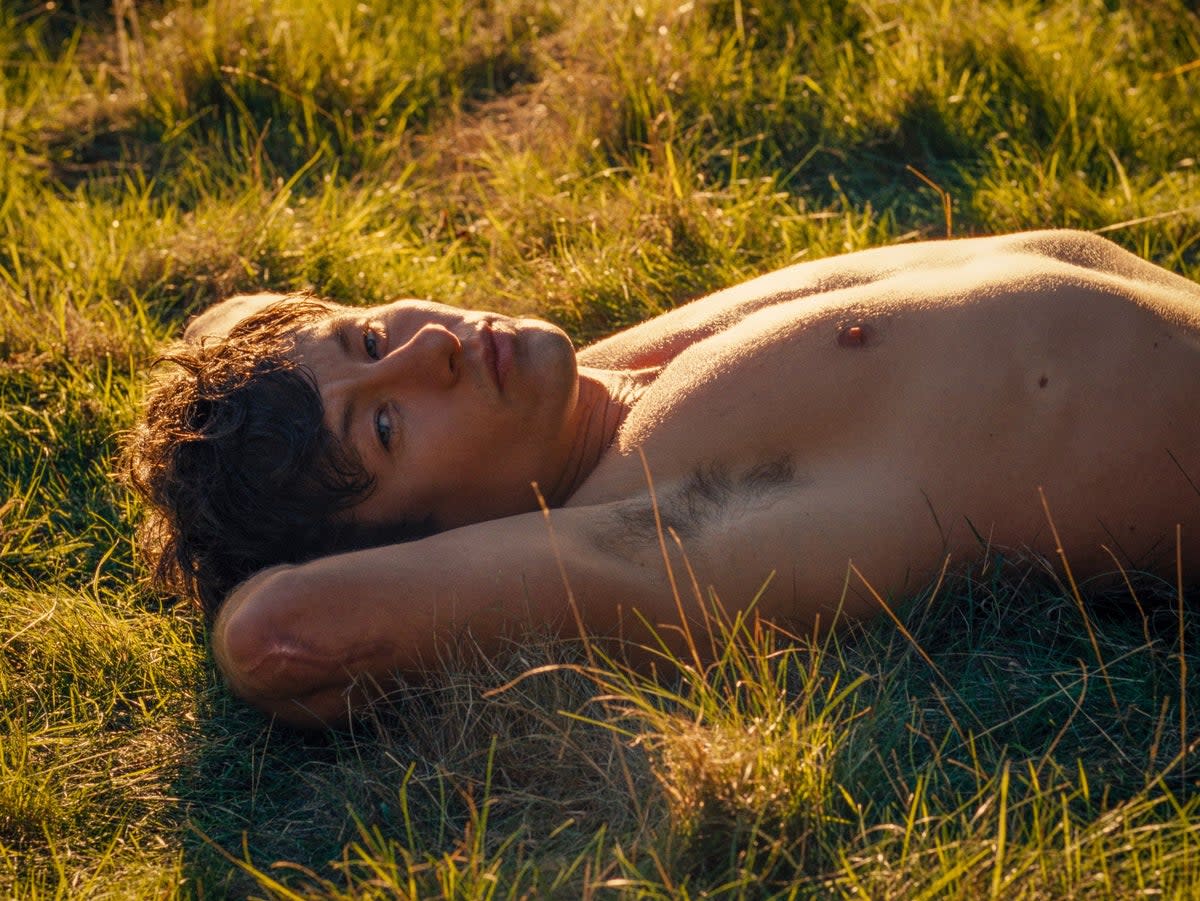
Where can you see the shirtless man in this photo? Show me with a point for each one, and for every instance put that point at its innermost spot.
(893, 407)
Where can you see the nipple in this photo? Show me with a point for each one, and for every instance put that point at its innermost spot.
(852, 335)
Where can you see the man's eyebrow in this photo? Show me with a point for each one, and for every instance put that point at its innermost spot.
(342, 330)
(343, 337)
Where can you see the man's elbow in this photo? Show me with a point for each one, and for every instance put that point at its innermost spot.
(267, 666)
(217, 321)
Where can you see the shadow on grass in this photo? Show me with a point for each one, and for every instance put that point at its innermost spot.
(771, 765)
(442, 774)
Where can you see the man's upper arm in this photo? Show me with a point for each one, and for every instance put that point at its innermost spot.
(219, 319)
(659, 340)
(299, 632)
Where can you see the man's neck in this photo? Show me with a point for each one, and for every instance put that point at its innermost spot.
(605, 399)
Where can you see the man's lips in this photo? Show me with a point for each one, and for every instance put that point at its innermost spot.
(497, 354)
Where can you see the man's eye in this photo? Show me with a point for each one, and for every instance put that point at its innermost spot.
(383, 427)
(371, 343)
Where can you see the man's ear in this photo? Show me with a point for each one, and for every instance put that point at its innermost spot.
(219, 319)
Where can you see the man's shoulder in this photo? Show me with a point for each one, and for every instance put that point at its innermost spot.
(659, 340)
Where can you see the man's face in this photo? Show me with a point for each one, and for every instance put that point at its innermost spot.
(452, 412)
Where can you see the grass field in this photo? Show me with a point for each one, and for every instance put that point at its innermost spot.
(593, 163)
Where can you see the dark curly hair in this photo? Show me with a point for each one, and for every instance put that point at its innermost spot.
(235, 463)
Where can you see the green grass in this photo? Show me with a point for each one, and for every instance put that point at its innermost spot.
(594, 164)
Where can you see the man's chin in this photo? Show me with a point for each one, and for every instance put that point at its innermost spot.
(547, 355)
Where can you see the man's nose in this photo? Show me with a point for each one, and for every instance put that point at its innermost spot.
(430, 358)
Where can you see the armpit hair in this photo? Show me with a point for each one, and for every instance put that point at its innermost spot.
(713, 495)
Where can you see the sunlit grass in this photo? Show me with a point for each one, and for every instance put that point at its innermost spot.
(595, 164)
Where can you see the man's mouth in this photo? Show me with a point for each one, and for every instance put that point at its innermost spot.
(497, 354)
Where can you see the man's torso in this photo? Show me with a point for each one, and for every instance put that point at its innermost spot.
(909, 409)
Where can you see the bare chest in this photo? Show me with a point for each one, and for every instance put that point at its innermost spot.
(945, 416)
(737, 407)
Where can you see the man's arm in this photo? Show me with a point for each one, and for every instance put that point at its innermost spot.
(659, 340)
(220, 318)
(310, 642)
